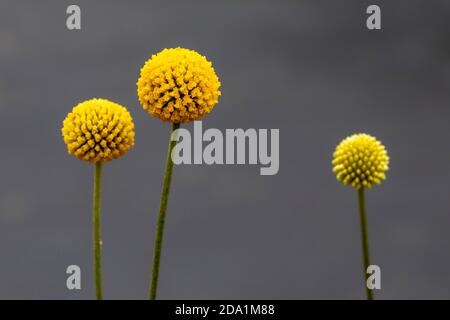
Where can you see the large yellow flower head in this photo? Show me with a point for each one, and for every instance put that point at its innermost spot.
(178, 85)
(98, 130)
(360, 161)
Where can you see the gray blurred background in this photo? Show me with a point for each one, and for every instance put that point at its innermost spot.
(309, 68)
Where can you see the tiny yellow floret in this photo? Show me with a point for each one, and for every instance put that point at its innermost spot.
(360, 161)
(98, 130)
(178, 85)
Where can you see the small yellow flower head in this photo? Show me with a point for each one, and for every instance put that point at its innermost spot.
(98, 130)
(361, 161)
(178, 85)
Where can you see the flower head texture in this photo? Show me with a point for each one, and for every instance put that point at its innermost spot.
(360, 161)
(98, 130)
(178, 85)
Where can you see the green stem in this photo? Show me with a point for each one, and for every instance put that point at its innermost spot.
(365, 239)
(97, 240)
(162, 215)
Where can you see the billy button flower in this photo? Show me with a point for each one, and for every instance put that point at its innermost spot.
(361, 161)
(98, 131)
(176, 85)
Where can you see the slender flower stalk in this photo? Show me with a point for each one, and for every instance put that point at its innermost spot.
(162, 215)
(177, 85)
(364, 238)
(361, 161)
(98, 131)
(96, 233)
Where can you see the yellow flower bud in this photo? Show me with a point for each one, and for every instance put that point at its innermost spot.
(360, 161)
(98, 130)
(178, 85)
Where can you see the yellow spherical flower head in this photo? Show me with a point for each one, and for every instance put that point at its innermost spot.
(360, 161)
(98, 130)
(178, 85)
